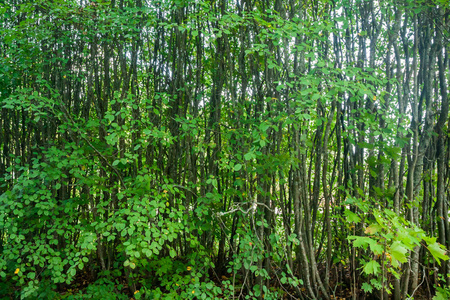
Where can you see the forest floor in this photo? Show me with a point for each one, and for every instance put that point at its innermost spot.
(341, 290)
(88, 286)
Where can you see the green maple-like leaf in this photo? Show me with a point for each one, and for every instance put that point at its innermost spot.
(439, 296)
(398, 253)
(351, 216)
(372, 267)
(373, 229)
(360, 241)
(375, 247)
(438, 252)
(366, 287)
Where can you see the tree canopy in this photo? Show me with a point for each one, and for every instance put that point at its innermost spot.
(193, 149)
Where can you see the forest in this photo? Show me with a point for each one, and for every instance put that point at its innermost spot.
(225, 149)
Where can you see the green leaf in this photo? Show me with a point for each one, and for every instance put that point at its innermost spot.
(440, 296)
(249, 156)
(372, 267)
(366, 287)
(398, 253)
(375, 247)
(237, 167)
(351, 216)
(376, 283)
(438, 252)
(373, 229)
(257, 290)
(172, 253)
(360, 241)
(263, 127)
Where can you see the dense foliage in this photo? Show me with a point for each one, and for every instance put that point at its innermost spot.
(224, 149)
